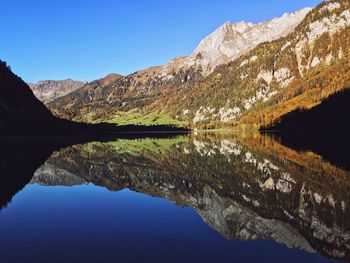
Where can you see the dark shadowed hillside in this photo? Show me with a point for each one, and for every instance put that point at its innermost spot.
(330, 114)
(323, 129)
(18, 105)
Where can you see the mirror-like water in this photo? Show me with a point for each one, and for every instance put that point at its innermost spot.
(206, 197)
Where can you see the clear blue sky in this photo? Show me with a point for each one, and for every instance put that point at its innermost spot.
(87, 39)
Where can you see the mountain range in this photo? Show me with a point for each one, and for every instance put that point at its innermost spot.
(242, 75)
(21, 113)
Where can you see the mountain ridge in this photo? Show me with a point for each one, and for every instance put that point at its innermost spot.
(231, 40)
(251, 91)
(49, 90)
(22, 114)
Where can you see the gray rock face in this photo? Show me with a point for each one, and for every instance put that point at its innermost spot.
(231, 40)
(49, 90)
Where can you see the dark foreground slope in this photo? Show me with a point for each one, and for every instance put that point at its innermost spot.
(18, 106)
(22, 114)
(323, 129)
(331, 114)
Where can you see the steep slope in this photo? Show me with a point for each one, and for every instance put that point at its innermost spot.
(19, 109)
(231, 40)
(99, 102)
(298, 71)
(323, 129)
(311, 64)
(329, 114)
(82, 102)
(49, 90)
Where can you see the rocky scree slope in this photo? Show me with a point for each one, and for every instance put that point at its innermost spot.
(231, 40)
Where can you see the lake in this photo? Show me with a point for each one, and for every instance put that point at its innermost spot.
(198, 197)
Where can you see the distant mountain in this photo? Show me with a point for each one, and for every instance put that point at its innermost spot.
(305, 61)
(49, 90)
(96, 93)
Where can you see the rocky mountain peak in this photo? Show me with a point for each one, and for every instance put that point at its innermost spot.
(49, 90)
(109, 79)
(223, 46)
(231, 40)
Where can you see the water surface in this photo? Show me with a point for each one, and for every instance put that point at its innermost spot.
(206, 197)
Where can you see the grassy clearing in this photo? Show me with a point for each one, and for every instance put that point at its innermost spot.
(136, 118)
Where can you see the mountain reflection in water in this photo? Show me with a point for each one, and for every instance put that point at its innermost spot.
(245, 186)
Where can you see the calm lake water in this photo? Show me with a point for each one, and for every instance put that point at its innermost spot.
(189, 198)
